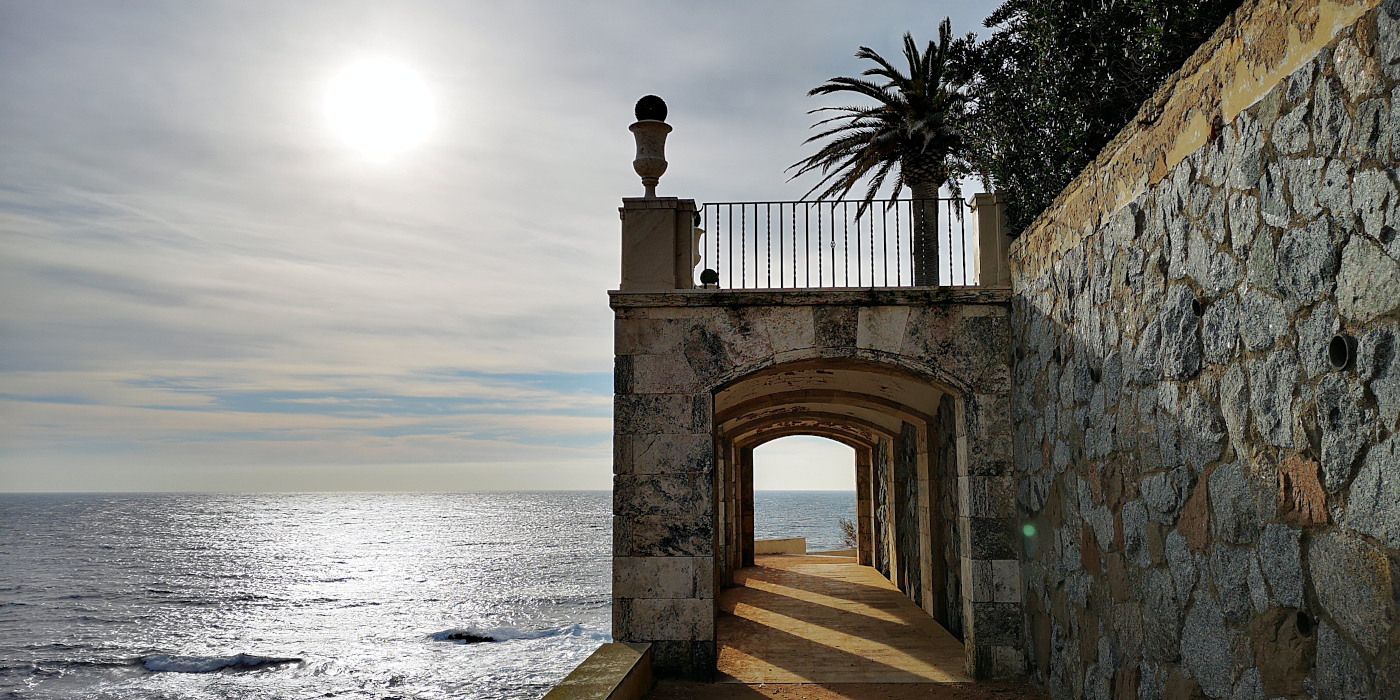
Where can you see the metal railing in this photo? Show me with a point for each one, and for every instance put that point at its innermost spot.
(823, 244)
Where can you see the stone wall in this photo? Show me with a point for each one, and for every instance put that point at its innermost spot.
(946, 474)
(1212, 508)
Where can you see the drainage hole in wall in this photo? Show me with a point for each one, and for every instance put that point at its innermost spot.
(1341, 351)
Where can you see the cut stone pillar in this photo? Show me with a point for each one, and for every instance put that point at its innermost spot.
(658, 242)
(990, 260)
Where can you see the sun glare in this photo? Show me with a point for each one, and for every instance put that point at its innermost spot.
(379, 107)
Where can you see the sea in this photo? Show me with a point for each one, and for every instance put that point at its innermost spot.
(345, 595)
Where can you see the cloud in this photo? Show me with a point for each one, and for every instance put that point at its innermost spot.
(204, 289)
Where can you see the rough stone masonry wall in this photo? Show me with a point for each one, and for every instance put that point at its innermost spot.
(1216, 510)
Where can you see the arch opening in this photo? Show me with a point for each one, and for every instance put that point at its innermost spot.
(902, 432)
(805, 487)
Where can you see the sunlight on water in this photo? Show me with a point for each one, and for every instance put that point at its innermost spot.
(295, 596)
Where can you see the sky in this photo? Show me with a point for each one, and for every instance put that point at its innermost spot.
(204, 288)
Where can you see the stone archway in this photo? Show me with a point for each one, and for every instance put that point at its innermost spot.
(703, 377)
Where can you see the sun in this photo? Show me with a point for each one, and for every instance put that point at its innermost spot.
(379, 107)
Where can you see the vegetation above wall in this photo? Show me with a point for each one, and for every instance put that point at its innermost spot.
(1058, 79)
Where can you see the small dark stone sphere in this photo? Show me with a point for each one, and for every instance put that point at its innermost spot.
(651, 108)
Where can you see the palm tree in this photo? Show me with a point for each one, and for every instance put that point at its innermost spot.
(912, 132)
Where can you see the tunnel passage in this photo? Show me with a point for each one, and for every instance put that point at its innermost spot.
(917, 381)
(906, 487)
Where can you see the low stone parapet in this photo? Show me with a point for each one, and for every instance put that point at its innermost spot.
(790, 545)
(616, 671)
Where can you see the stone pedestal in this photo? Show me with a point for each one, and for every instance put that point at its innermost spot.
(658, 242)
(990, 261)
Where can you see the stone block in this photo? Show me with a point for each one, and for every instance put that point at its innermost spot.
(1205, 648)
(1307, 262)
(1181, 350)
(1346, 428)
(1229, 567)
(1352, 580)
(684, 659)
(835, 326)
(655, 619)
(1313, 335)
(1220, 331)
(1272, 380)
(663, 577)
(1374, 505)
(1161, 615)
(636, 336)
(661, 374)
(688, 495)
(788, 328)
(987, 497)
(995, 624)
(1378, 364)
(1262, 320)
(1341, 672)
(1291, 134)
(1234, 517)
(661, 536)
(1368, 282)
(1282, 565)
(881, 328)
(705, 353)
(667, 453)
(652, 413)
(992, 538)
(1182, 565)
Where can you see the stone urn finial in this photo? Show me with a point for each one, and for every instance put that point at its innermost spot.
(650, 130)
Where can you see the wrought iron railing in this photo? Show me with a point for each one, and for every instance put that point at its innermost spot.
(824, 244)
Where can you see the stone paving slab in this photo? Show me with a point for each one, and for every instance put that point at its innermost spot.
(809, 619)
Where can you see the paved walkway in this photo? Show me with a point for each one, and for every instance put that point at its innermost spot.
(815, 619)
(824, 628)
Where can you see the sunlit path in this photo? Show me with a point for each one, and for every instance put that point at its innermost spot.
(814, 619)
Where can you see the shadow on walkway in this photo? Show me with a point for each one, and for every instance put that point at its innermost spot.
(826, 628)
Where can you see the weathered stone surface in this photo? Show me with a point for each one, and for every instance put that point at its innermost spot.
(1368, 283)
(1262, 320)
(1372, 193)
(1248, 687)
(1272, 380)
(1283, 569)
(1205, 648)
(1234, 406)
(1356, 71)
(1378, 364)
(1329, 119)
(1301, 497)
(1220, 331)
(1341, 672)
(1229, 568)
(1334, 190)
(1345, 428)
(1260, 268)
(1352, 580)
(1313, 335)
(1161, 615)
(1235, 519)
(1307, 262)
(1258, 590)
(1182, 564)
(1304, 176)
(1181, 339)
(1374, 505)
(1291, 132)
(1165, 494)
(1135, 534)
(1215, 270)
(1273, 204)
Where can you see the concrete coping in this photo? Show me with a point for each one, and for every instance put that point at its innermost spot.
(872, 296)
(787, 545)
(616, 671)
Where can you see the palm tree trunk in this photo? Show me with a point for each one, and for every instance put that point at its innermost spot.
(925, 247)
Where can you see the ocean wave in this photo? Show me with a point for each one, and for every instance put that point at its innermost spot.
(209, 664)
(472, 635)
